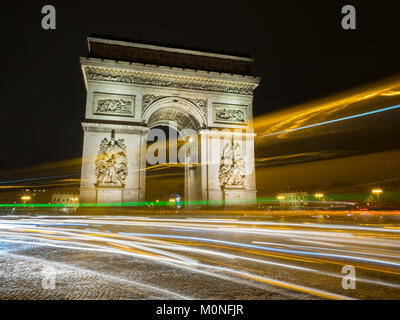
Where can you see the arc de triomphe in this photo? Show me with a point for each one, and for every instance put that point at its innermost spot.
(133, 87)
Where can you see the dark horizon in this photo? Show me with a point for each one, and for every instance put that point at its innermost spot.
(300, 52)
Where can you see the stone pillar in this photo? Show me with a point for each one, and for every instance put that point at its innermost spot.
(121, 179)
(213, 144)
(193, 174)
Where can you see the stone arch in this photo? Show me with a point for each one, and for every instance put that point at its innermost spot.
(180, 114)
(176, 112)
(131, 99)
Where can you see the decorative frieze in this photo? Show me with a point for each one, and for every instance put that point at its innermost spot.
(114, 104)
(201, 103)
(229, 113)
(163, 80)
(148, 99)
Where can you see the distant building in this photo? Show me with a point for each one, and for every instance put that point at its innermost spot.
(293, 200)
(35, 195)
(66, 198)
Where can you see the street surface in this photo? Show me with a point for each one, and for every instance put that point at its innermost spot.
(203, 257)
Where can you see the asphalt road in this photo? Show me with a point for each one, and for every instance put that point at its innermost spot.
(208, 257)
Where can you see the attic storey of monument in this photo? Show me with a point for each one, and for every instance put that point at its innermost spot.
(133, 87)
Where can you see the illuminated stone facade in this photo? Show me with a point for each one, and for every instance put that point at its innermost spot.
(133, 87)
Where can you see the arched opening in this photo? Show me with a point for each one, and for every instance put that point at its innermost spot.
(176, 175)
(165, 180)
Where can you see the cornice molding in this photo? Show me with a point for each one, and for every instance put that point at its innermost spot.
(192, 80)
(168, 49)
(91, 126)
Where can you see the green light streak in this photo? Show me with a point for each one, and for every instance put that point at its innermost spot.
(328, 198)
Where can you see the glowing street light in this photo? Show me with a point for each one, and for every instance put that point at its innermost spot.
(280, 197)
(377, 191)
(75, 200)
(25, 198)
(319, 195)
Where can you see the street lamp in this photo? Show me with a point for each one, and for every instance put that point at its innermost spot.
(74, 204)
(25, 198)
(319, 195)
(377, 191)
(280, 197)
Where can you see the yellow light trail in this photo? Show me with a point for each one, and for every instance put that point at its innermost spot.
(324, 109)
(281, 256)
(310, 291)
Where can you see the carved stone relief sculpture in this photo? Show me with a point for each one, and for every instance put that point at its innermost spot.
(180, 82)
(149, 99)
(114, 104)
(111, 163)
(232, 167)
(230, 114)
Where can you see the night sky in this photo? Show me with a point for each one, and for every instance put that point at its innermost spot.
(300, 50)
